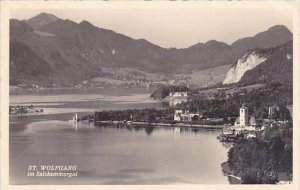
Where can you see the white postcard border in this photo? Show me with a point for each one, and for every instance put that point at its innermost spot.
(6, 6)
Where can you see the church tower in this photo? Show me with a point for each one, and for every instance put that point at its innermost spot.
(243, 116)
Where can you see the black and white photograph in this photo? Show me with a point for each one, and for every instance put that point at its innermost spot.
(152, 93)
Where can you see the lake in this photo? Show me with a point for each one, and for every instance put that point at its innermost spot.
(108, 155)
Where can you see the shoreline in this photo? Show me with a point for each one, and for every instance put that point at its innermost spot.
(20, 125)
(19, 122)
(228, 173)
(185, 125)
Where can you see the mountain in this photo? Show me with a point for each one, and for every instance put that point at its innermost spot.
(18, 27)
(41, 19)
(263, 66)
(29, 65)
(77, 51)
(274, 36)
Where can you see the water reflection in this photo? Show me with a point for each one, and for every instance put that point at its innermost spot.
(107, 154)
(75, 125)
(54, 125)
(149, 129)
(118, 154)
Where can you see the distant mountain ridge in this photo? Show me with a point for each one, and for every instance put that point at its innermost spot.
(77, 51)
(273, 37)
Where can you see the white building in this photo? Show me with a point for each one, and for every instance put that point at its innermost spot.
(251, 126)
(179, 115)
(178, 94)
(177, 98)
(244, 122)
(243, 116)
(30, 110)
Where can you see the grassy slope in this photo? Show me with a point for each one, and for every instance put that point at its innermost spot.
(205, 77)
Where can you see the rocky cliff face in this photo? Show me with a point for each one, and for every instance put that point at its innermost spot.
(263, 66)
(247, 62)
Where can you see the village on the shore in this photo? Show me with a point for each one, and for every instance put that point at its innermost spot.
(273, 123)
(243, 125)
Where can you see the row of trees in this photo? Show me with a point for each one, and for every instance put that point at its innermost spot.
(257, 101)
(145, 115)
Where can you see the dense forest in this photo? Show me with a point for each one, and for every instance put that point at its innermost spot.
(221, 106)
(164, 91)
(264, 160)
(145, 115)
(257, 101)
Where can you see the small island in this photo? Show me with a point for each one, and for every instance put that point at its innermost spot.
(23, 109)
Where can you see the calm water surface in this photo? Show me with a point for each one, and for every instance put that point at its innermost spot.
(108, 155)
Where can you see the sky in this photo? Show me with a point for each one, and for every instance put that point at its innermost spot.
(176, 27)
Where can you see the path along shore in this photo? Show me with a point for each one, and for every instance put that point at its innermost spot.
(186, 125)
